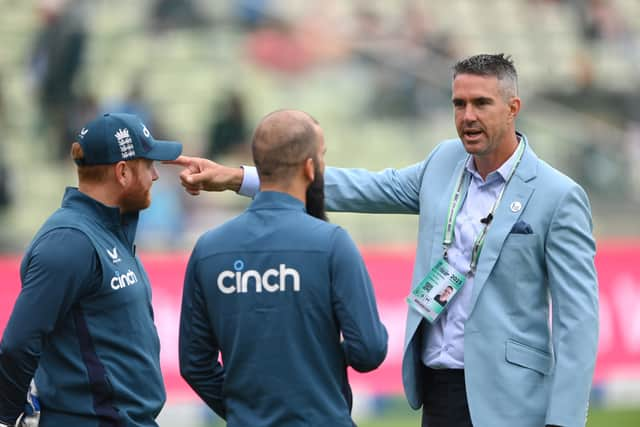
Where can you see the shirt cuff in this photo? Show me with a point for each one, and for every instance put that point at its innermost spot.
(250, 182)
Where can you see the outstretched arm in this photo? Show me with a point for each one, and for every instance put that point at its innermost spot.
(201, 174)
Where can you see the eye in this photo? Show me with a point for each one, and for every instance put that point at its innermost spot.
(483, 101)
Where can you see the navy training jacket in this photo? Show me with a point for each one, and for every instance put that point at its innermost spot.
(287, 301)
(84, 320)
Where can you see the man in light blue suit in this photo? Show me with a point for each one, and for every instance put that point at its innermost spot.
(516, 345)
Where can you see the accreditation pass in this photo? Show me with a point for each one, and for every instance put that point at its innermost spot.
(436, 290)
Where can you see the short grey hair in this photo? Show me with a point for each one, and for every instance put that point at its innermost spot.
(497, 65)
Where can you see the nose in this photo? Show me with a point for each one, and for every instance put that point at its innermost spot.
(154, 173)
(469, 113)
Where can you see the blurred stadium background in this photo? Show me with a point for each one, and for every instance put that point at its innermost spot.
(376, 74)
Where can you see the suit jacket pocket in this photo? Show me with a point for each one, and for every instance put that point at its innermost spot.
(528, 357)
(521, 239)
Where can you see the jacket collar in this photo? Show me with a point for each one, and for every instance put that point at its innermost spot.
(109, 216)
(276, 200)
(528, 168)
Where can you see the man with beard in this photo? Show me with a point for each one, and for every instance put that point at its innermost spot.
(282, 294)
(83, 321)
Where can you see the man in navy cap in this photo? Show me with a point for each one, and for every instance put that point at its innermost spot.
(82, 326)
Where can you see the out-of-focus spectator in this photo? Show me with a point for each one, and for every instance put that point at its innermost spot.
(601, 161)
(82, 111)
(277, 46)
(251, 14)
(399, 57)
(55, 65)
(228, 131)
(369, 36)
(5, 195)
(134, 103)
(175, 14)
(600, 20)
(615, 106)
(296, 44)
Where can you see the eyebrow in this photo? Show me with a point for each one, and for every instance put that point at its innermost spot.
(480, 99)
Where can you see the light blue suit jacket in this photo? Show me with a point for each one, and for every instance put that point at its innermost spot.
(531, 337)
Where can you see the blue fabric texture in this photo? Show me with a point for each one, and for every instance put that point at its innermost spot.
(271, 293)
(83, 323)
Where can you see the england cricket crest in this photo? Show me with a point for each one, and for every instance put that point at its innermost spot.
(125, 143)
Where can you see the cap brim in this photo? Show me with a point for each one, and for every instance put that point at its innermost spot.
(163, 150)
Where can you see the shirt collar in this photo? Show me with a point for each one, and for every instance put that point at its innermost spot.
(502, 172)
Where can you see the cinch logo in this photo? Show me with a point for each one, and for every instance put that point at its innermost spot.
(122, 281)
(271, 280)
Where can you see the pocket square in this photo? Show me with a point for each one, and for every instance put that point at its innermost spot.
(521, 227)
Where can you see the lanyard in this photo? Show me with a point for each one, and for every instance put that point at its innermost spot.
(456, 204)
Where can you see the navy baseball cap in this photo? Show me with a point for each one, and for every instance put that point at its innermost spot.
(113, 137)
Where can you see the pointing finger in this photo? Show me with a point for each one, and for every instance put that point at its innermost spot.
(180, 161)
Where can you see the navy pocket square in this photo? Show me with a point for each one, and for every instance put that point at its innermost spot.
(521, 227)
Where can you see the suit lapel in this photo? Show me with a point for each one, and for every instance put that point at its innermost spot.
(514, 202)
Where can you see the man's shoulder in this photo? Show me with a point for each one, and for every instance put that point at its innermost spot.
(67, 218)
(60, 247)
(62, 222)
(448, 151)
(554, 180)
(227, 230)
(239, 233)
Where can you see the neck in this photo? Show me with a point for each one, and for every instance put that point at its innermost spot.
(99, 192)
(490, 162)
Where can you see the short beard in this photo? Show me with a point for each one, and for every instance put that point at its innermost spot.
(135, 200)
(315, 197)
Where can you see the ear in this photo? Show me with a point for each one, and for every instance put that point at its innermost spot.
(514, 107)
(309, 170)
(122, 173)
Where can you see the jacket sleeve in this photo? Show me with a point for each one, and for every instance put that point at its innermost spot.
(354, 304)
(198, 347)
(61, 265)
(387, 191)
(570, 251)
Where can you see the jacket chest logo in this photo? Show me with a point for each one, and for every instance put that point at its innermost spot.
(113, 254)
(120, 281)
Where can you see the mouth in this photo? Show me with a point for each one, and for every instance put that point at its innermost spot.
(472, 134)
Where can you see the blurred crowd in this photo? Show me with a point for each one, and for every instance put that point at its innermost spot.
(406, 58)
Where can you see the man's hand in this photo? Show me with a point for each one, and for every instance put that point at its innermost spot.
(202, 174)
(31, 415)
